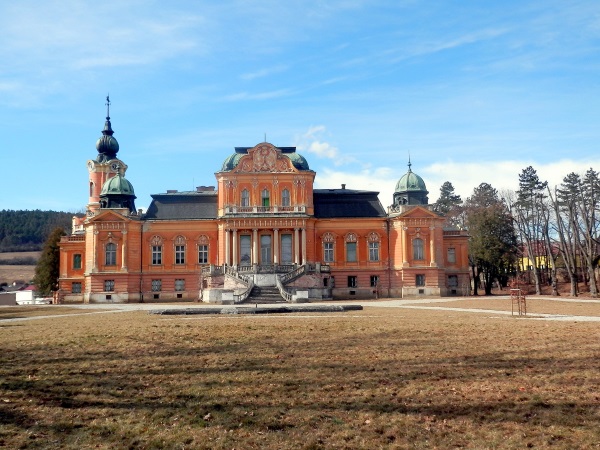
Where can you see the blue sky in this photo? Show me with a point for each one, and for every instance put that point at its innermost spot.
(474, 91)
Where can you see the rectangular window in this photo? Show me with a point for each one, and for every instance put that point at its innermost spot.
(203, 254)
(156, 255)
(420, 280)
(109, 285)
(373, 251)
(156, 285)
(180, 254)
(110, 256)
(180, 285)
(418, 250)
(351, 251)
(374, 280)
(75, 288)
(77, 261)
(286, 249)
(245, 255)
(351, 281)
(451, 255)
(452, 281)
(328, 252)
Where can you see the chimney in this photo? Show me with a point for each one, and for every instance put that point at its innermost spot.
(343, 186)
(171, 191)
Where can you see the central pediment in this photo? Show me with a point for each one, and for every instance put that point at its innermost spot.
(264, 157)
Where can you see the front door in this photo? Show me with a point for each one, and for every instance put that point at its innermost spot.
(265, 249)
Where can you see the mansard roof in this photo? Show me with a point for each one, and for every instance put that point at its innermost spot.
(346, 203)
(183, 206)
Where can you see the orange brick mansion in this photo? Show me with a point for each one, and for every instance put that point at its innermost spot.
(263, 225)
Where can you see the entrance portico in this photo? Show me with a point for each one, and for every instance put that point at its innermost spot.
(265, 241)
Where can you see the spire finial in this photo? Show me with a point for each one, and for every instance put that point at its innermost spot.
(265, 137)
(409, 163)
(107, 106)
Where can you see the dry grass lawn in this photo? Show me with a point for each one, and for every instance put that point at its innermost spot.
(379, 378)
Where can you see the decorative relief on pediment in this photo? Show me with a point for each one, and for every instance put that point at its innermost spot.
(265, 158)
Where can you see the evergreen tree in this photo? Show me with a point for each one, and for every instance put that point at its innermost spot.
(492, 246)
(449, 205)
(47, 269)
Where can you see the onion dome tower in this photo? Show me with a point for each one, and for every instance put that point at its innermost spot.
(107, 145)
(410, 189)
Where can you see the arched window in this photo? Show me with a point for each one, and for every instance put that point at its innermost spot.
(110, 254)
(285, 198)
(418, 253)
(245, 198)
(265, 197)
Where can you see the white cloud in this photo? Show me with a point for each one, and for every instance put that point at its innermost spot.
(502, 175)
(312, 141)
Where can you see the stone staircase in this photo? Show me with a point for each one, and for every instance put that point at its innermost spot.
(264, 294)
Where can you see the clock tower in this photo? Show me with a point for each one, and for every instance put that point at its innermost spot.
(105, 166)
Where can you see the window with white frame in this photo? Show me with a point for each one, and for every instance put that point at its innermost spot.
(202, 250)
(351, 255)
(352, 281)
(285, 197)
(180, 284)
(156, 249)
(110, 254)
(328, 248)
(156, 285)
(180, 250)
(373, 243)
(245, 201)
(418, 250)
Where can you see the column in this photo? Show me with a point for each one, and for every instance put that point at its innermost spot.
(124, 251)
(235, 249)
(404, 247)
(226, 259)
(255, 246)
(296, 247)
(303, 245)
(275, 246)
(433, 262)
(96, 249)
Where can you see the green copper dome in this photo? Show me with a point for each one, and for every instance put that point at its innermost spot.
(117, 185)
(231, 162)
(410, 190)
(298, 161)
(410, 181)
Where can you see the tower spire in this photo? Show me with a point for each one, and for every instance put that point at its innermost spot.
(409, 163)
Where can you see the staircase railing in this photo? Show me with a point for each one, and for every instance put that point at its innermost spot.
(246, 280)
(287, 296)
(293, 274)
